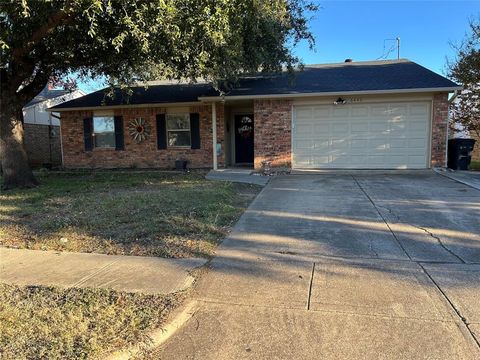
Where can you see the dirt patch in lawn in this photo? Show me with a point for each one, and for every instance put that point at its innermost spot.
(51, 323)
(149, 213)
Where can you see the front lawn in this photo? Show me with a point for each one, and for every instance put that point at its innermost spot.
(474, 165)
(50, 323)
(150, 213)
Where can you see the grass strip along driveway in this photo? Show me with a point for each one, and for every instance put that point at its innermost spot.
(150, 213)
(146, 213)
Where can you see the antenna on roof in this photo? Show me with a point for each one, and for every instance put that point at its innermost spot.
(385, 54)
(398, 47)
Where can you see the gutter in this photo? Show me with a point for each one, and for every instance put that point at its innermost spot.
(331, 93)
(203, 99)
(113, 107)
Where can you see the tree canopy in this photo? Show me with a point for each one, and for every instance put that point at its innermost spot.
(146, 39)
(465, 69)
(129, 41)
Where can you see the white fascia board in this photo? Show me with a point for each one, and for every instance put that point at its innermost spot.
(112, 107)
(337, 93)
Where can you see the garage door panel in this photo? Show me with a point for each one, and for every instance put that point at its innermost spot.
(360, 111)
(303, 113)
(379, 127)
(419, 109)
(322, 111)
(341, 111)
(340, 128)
(387, 135)
(398, 143)
(304, 129)
(359, 127)
(379, 111)
(321, 145)
(417, 143)
(398, 110)
(303, 161)
(321, 129)
(304, 144)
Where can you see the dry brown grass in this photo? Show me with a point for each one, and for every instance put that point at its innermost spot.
(151, 213)
(51, 323)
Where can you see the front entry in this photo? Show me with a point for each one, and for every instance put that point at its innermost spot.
(244, 139)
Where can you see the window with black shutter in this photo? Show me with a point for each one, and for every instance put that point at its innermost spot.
(161, 132)
(195, 130)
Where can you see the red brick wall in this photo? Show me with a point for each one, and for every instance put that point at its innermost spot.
(42, 143)
(144, 154)
(439, 129)
(273, 127)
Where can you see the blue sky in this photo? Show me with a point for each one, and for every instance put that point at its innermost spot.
(357, 29)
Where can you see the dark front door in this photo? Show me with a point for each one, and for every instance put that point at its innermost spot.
(244, 139)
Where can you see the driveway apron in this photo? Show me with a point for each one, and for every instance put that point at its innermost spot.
(343, 266)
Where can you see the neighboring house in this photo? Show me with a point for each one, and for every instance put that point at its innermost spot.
(380, 114)
(42, 128)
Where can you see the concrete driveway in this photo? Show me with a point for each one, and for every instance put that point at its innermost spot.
(344, 266)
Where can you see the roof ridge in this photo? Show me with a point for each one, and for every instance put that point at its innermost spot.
(367, 62)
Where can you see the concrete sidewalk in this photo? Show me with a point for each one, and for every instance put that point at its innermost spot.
(148, 275)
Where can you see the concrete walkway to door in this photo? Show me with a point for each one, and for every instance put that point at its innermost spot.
(349, 266)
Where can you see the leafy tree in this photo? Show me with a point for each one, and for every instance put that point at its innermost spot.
(129, 41)
(465, 110)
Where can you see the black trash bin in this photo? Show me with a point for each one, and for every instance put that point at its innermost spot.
(460, 153)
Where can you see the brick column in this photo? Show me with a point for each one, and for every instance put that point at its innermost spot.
(273, 129)
(439, 129)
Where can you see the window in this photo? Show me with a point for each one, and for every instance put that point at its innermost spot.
(178, 130)
(104, 131)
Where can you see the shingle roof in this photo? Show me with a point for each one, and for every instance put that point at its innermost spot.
(343, 77)
(329, 78)
(46, 94)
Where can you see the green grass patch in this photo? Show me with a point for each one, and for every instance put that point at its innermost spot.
(51, 323)
(151, 213)
(474, 165)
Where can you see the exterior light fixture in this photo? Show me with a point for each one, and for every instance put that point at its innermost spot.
(340, 101)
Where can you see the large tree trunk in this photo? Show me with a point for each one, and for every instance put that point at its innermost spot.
(14, 161)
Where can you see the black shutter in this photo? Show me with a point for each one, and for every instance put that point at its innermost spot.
(87, 134)
(119, 143)
(195, 130)
(161, 132)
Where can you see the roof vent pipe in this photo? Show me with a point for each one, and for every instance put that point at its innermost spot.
(348, 60)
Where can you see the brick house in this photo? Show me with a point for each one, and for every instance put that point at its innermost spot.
(381, 114)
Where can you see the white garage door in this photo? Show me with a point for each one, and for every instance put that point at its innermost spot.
(356, 136)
